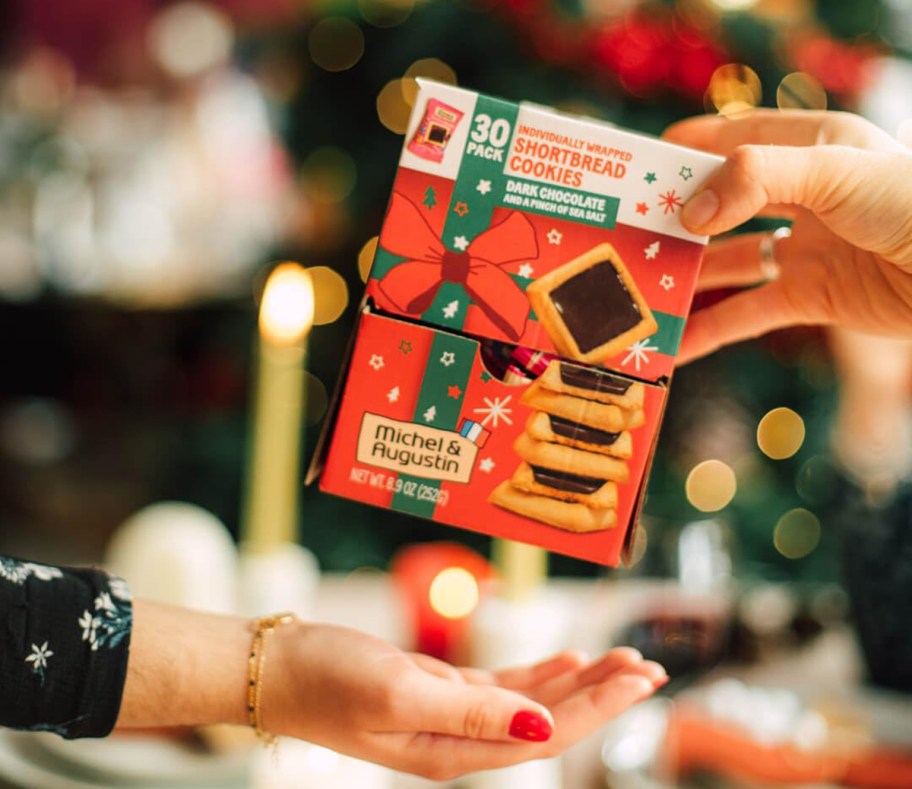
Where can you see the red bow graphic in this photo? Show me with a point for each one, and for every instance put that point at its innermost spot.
(411, 286)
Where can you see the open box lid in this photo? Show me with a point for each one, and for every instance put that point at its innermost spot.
(521, 224)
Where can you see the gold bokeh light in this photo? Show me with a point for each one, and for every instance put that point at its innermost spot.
(392, 108)
(386, 13)
(429, 68)
(711, 485)
(335, 43)
(780, 433)
(797, 533)
(800, 91)
(454, 593)
(734, 88)
(330, 174)
(330, 294)
(366, 257)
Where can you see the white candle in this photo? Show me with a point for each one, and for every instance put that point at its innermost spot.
(522, 568)
(286, 317)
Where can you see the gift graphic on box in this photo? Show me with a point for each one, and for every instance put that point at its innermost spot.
(528, 294)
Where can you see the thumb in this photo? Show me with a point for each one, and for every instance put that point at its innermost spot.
(844, 186)
(479, 712)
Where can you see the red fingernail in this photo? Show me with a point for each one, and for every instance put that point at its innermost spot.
(532, 726)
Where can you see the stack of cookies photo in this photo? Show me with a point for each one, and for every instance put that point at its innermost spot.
(574, 449)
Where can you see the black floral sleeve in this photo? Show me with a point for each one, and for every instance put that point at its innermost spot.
(64, 642)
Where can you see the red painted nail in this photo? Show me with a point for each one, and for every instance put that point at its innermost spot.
(532, 726)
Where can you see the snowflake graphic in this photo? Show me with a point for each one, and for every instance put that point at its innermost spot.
(667, 282)
(486, 465)
(484, 186)
(639, 353)
(686, 173)
(652, 250)
(461, 243)
(525, 270)
(448, 358)
(393, 395)
(450, 310)
(555, 236)
(430, 414)
(670, 201)
(376, 361)
(495, 411)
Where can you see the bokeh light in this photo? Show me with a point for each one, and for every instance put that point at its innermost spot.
(780, 433)
(329, 174)
(454, 593)
(733, 88)
(800, 91)
(797, 533)
(816, 481)
(287, 307)
(330, 294)
(734, 5)
(188, 39)
(429, 68)
(366, 257)
(392, 108)
(335, 44)
(711, 485)
(386, 13)
(640, 544)
(316, 398)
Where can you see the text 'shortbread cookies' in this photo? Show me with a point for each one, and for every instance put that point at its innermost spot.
(592, 384)
(570, 460)
(591, 491)
(547, 427)
(602, 416)
(566, 515)
(591, 307)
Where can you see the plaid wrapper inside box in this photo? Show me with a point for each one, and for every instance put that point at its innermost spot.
(516, 224)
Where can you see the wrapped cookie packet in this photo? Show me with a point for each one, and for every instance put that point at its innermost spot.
(528, 295)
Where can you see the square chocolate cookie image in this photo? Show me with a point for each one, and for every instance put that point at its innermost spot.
(590, 307)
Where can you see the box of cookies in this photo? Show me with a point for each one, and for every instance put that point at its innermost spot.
(522, 314)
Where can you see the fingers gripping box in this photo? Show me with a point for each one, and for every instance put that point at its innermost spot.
(515, 224)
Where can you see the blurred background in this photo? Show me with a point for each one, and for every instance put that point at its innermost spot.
(157, 158)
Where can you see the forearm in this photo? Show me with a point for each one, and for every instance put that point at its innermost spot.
(185, 668)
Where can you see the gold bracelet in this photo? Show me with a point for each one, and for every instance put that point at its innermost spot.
(256, 665)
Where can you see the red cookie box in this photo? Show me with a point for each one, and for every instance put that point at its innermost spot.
(422, 427)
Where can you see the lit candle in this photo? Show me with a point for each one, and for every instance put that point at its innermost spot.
(522, 569)
(286, 317)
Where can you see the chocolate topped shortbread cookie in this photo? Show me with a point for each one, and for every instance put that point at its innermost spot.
(602, 416)
(563, 485)
(570, 460)
(591, 307)
(547, 427)
(592, 384)
(566, 515)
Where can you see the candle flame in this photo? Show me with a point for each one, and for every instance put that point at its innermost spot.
(287, 309)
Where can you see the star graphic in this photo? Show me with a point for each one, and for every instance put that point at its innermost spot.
(484, 186)
(642, 208)
(639, 353)
(376, 361)
(525, 270)
(486, 465)
(650, 178)
(652, 250)
(393, 394)
(461, 208)
(485, 376)
(454, 391)
(448, 358)
(686, 173)
(495, 411)
(554, 236)
(461, 242)
(670, 201)
(667, 282)
(432, 412)
(450, 310)
(405, 346)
